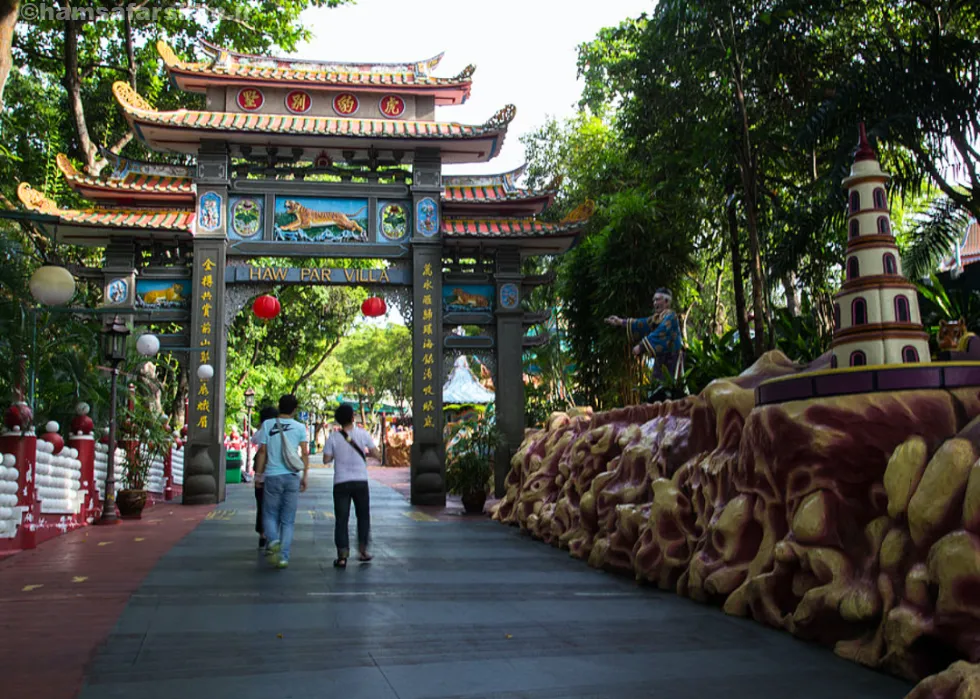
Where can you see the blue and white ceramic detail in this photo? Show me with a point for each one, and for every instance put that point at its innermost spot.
(509, 296)
(209, 212)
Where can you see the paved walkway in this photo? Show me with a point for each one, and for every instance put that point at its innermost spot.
(58, 602)
(448, 609)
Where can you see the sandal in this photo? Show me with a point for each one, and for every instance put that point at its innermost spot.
(340, 563)
(365, 557)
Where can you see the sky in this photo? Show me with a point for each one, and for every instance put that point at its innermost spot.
(524, 52)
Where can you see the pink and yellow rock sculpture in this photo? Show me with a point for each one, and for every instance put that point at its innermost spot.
(853, 521)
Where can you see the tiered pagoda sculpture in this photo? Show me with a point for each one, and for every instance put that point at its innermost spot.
(317, 159)
(876, 313)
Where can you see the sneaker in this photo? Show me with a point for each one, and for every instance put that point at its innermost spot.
(283, 563)
(272, 552)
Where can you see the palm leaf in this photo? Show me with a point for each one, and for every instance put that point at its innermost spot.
(935, 235)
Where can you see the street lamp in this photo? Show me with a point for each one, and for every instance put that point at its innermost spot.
(50, 285)
(114, 336)
(249, 404)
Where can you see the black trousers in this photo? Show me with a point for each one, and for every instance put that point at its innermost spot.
(259, 492)
(343, 493)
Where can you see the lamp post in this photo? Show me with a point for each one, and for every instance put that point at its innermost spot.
(249, 404)
(114, 336)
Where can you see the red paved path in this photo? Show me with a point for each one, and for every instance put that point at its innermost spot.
(58, 602)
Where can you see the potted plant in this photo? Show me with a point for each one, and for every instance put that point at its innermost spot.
(147, 438)
(469, 462)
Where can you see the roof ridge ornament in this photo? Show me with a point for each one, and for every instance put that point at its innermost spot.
(502, 118)
(465, 74)
(123, 166)
(66, 166)
(128, 97)
(864, 149)
(168, 55)
(35, 200)
(502, 178)
(228, 58)
(582, 212)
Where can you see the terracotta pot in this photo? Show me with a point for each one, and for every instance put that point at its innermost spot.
(473, 502)
(131, 503)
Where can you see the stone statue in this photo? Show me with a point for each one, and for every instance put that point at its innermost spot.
(658, 336)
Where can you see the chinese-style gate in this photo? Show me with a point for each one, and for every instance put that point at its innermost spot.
(321, 160)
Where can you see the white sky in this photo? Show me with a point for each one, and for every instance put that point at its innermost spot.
(524, 52)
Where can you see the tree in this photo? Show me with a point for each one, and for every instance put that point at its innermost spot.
(378, 363)
(85, 50)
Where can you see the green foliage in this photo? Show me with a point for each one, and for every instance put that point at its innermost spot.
(801, 338)
(937, 303)
(934, 233)
(290, 353)
(149, 437)
(469, 462)
(737, 123)
(377, 361)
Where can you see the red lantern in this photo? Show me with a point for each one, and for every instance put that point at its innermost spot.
(374, 307)
(266, 307)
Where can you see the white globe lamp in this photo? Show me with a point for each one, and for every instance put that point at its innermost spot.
(52, 285)
(148, 345)
(205, 372)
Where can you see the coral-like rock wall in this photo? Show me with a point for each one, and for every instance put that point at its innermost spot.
(852, 521)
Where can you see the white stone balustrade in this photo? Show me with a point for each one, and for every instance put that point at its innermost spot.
(10, 513)
(101, 467)
(155, 481)
(57, 480)
(177, 465)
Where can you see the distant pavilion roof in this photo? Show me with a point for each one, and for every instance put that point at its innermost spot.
(541, 237)
(969, 249)
(231, 68)
(89, 226)
(463, 388)
(472, 194)
(132, 187)
(134, 182)
(183, 130)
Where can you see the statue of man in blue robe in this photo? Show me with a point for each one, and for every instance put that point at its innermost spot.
(658, 336)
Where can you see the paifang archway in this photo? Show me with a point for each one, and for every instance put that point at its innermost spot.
(321, 159)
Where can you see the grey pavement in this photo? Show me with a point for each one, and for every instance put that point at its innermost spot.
(447, 609)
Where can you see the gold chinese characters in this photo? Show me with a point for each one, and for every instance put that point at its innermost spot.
(428, 357)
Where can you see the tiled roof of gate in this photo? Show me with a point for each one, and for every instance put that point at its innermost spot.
(132, 182)
(493, 188)
(228, 64)
(502, 227)
(494, 193)
(506, 228)
(135, 106)
(161, 219)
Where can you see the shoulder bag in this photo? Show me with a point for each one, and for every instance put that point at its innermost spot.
(351, 442)
(290, 458)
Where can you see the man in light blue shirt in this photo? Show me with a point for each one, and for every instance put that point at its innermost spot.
(282, 484)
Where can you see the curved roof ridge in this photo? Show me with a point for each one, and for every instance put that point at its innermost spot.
(422, 67)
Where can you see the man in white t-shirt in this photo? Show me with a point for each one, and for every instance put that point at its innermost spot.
(256, 439)
(282, 485)
(349, 448)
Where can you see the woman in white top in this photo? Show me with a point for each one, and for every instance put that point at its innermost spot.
(349, 449)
